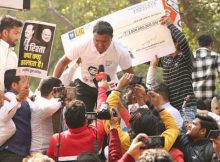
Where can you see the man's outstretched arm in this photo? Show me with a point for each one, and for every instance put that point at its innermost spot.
(60, 66)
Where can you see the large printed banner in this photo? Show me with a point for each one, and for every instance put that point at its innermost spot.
(35, 48)
(138, 27)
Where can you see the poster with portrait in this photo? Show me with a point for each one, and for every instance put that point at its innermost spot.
(138, 27)
(35, 48)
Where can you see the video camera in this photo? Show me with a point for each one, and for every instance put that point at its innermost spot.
(104, 113)
(65, 92)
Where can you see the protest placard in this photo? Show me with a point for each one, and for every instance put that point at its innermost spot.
(35, 48)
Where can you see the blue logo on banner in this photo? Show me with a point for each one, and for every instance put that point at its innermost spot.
(71, 35)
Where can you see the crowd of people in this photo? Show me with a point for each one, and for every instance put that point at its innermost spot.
(135, 121)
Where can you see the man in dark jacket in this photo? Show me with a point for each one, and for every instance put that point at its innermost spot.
(18, 146)
(194, 144)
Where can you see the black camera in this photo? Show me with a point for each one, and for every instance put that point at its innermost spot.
(153, 142)
(65, 92)
(136, 80)
(104, 113)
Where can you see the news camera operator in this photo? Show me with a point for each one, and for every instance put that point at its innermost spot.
(43, 108)
(110, 128)
(81, 137)
(143, 121)
(137, 96)
(78, 137)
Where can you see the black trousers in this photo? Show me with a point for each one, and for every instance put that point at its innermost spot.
(86, 94)
(7, 156)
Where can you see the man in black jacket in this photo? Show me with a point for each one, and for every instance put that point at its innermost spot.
(194, 144)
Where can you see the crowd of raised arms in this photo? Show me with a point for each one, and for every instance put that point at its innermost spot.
(97, 117)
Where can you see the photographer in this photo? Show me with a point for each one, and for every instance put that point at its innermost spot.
(114, 146)
(136, 153)
(137, 97)
(42, 109)
(141, 122)
(159, 96)
(134, 150)
(79, 137)
(125, 141)
(108, 125)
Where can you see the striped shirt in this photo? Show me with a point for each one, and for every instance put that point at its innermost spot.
(205, 65)
(177, 72)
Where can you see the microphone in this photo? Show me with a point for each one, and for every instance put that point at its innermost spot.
(101, 68)
(101, 74)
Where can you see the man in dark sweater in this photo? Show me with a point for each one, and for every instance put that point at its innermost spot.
(177, 72)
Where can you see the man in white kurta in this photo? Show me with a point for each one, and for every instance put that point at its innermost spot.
(10, 29)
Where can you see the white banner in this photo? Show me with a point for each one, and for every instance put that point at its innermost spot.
(138, 27)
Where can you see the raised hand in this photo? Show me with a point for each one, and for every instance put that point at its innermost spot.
(166, 20)
(135, 149)
(124, 81)
(154, 61)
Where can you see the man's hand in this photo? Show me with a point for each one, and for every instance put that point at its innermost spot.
(166, 20)
(140, 94)
(155, 99)
(154, 61)
(103, 83)
(135, 148)
(114, 121)
(124, 81)
(2, 96)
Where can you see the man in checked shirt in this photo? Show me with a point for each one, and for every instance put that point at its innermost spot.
(205, 65)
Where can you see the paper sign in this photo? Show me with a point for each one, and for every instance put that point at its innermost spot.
(35, 48)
